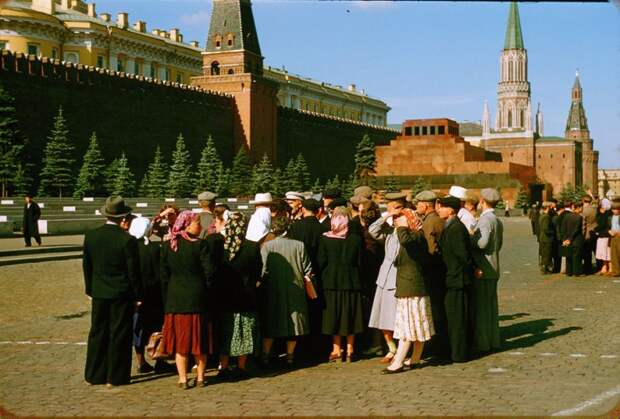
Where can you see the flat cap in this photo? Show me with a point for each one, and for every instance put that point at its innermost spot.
(395, 196)
(458, 192)
(292, 195)
(311, 204)
(207, 196)
(426, 196)
(451, 202)
(358, 199)
(365, 191)
(490, 195)
(331, 193)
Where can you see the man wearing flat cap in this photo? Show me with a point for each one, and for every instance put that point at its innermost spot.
(112, 280)
(329, 195)
(487, 242)
(435, 271)
(295, 201)
(365, 191)
(309, 231)
(206, 200)
(456, 254)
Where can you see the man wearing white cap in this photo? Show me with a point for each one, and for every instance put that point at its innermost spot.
(487, 242)
(260, 222)
(295, 201)
(465, 216)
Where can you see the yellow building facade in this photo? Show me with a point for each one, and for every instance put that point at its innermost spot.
(73, 31)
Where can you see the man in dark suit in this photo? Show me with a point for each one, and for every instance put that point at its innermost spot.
(32, 213)
(546, 239)
(112, 279)
(559, 265)
(455, 247)
(572, 239)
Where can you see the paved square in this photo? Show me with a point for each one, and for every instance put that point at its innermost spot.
(561, 356)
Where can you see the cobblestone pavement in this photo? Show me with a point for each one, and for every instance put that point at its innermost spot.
(561, 355)
(17, 242)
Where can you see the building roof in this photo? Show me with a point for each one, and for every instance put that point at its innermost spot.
(470, 129)
(551, 139)
(514, 38)
(233, 17)
(577, 120)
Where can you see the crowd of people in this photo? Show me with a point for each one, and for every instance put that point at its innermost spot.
(311, 275)
(578, 238)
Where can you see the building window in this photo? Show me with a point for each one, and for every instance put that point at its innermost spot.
(100, 62)
(424, 130)
(33, 49)
(54, 53)
(72, 57)
(441, 130)
(3, 45)
(180, 78)
(167, 74)
(230, 42)
(432, 130)
(416, 130)
(522, 118)
(215, 68)
(136, 68)
(509, 119)
(231, 71)
(551, 156)
(153, 70)
(563, 155)
(407, 131)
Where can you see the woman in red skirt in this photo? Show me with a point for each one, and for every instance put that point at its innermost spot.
(186, 272)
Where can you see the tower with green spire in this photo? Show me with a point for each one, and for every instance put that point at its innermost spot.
(514, 108)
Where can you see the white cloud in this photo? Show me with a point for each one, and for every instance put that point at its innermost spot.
(375, 4)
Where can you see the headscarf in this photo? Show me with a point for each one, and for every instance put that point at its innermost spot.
(413, 221)
(606, 204)
(183, 221)
(139, 228)
(259, 224)
(234, 233)
(339, 224)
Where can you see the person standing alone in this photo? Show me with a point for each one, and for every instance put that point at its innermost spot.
(32, 213)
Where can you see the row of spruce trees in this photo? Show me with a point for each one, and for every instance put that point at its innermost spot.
(177, 177)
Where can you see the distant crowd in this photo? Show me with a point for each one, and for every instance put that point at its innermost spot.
(578, 238)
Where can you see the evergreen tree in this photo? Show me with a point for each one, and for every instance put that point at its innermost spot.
(143, 190)
(348, 186)
(10, 147)
(292, 180)
(262, 176)
(334, 183)
(109, 176)
(180, 181)
(391, 184)
(365, 161)
(317, 187)
(57, 173)
(419, 185)
(124, 181)
(155, 176)
(303, 173)
(279, 183)
(241, 174)
(222, 186)
(90, 178)
(207, 168)
(523, 198)
(22, 181)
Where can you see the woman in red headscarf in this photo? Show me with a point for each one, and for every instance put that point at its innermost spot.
(186, 272)
(339, 259)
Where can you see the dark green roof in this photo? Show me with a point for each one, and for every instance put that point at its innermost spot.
(470, 129)
(552, 138)
(514, 38)
(577, 120)
(233, 17)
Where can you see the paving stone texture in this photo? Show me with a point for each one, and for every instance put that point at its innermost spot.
(561, 352)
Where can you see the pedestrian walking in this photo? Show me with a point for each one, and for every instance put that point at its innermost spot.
(30, 224)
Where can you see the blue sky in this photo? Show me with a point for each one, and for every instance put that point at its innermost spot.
(431, 59)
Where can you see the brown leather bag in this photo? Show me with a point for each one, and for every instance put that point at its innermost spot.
(155, 347)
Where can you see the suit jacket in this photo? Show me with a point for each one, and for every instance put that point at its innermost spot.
(111, 264)
(456, 253)
(235, 282)
(340, 261)
(547, 230)
(31, 218)
(487, 241)
(309, 231)
(410, 275)
(572, 229)
(433, 226)
(589, 220)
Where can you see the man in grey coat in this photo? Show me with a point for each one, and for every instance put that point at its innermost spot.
(486, 244)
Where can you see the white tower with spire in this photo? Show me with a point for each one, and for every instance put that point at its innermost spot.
(486, 127)
(540, 126)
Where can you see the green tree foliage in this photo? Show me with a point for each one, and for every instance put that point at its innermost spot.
(317, 187)
(262, 176)
(10, 146)
(143, 190)
(124, 181)
(109, 176)
(570, 193)
(57, 172)
(22, 181)
(303, 172)
(334, 183)
(279, 183)
(391, 184)
(207, 168)
(291, 176)
(419, 185)
(180, 180)
(155, 177)
(241, 174)
(348, 186)
(90, 178)
(222, 186)
(523, 198)
(365, 161)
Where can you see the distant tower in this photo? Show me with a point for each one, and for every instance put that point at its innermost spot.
(513, 91)
(486, 128)
(540, 126)
(233, 64)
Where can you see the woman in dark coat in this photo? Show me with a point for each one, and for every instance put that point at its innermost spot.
(236, 296)
(339, 258)
(186, 275)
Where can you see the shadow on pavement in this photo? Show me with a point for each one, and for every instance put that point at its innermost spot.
(529, 333)
(515, 316)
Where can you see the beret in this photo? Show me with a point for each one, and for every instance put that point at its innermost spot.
(426, 196)
(358, 199)
(291, 195)
(451, 202)
(207, 196)
(395, 196)
(331, 193)
(490, 195)
(365, 191)
(311, 205)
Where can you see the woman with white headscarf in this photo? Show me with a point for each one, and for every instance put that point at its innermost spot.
(149, 316)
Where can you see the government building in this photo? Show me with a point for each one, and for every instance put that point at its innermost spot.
(73, 31)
